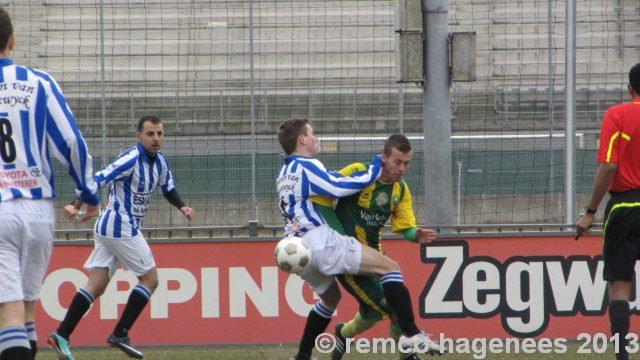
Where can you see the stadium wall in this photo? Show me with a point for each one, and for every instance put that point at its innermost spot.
(230, 291)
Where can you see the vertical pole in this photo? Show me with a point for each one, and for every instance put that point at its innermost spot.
(550, 95)
(254, 205)
(103, 100)
(570, 104)
(437, 113)
(401, 108)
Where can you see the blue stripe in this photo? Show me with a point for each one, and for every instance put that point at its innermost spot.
(392, 276)
(2, 74)
(17, 194)
(309, 166)
(303, 204)
(10, 330)
(105, 221)
(4, 114)
(11, 338)
(292, 206)
(152, 168)
(58, 140)
(36, 193)
(40, 115)
(294, 166)
(87, 295)
(26, 137)
(9, 166)
(167, 178)
(141, 176)
(142, 290)
(322, 311)
(21, 73)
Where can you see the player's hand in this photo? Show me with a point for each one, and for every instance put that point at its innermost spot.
(424, 235)
(188, 212)
(583, 225)
(70, 212)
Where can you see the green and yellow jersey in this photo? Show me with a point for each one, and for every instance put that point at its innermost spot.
(363, 215)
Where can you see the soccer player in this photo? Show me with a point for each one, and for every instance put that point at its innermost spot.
(133, 176)
(301, 177)
(363, 216)
(35, 121)
(619, 173)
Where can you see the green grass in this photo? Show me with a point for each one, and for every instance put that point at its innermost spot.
(277, 352)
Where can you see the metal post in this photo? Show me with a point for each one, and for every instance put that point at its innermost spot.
(401, 108)
(570, 104)
(437, 113)
(254, 205)
(103, 101)
(550, 94)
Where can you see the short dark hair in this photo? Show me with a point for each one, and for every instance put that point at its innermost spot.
(154, 119)
(288, 133)
(634, 78)
(6, 29)
(397, 141)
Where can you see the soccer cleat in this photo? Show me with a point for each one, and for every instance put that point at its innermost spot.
(60, 345)
(341, 343)
(419, 343)
(124, 344)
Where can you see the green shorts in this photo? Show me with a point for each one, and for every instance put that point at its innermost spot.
(368, 291)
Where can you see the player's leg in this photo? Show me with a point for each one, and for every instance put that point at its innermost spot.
(135, 254)
(373, 308)
(137, 301)
(14, 343)
(320, 315)
(25, 246)
(30, 326)
(620, 251)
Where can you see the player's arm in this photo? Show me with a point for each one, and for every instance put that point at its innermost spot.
(67, 144)
(325, 183)
(403, 220)
(121, 168)
(325, 205)
(170, 192)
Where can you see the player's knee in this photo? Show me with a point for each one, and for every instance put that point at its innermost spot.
(391, 265)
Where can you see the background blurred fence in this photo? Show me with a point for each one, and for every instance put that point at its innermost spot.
(224, 74)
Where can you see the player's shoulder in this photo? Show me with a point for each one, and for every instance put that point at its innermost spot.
(353, 168)
(129, 153)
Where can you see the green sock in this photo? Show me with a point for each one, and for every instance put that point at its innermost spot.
(356, 326)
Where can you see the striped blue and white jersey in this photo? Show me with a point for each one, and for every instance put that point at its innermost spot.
(133, 177)
(301, 178)
(35, 122)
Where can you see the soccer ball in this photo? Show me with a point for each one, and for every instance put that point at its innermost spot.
(292, 255)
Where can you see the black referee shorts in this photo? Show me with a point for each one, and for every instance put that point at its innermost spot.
(621, 235)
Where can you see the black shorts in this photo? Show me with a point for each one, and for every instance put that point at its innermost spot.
(621, 235)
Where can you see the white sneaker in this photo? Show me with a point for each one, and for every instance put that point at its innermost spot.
(419, 343)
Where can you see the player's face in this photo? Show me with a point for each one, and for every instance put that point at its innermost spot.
(151, 137)
(395, 165)
(309, 142)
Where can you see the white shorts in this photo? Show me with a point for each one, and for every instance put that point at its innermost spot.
(26, 238)
(133, 253)
(331, 254)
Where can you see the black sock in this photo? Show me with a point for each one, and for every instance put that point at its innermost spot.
(138, 299)
(16, 353)
(79, 306)
(399, 300)
(619, 318)
(34, 348)
(316, 325)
